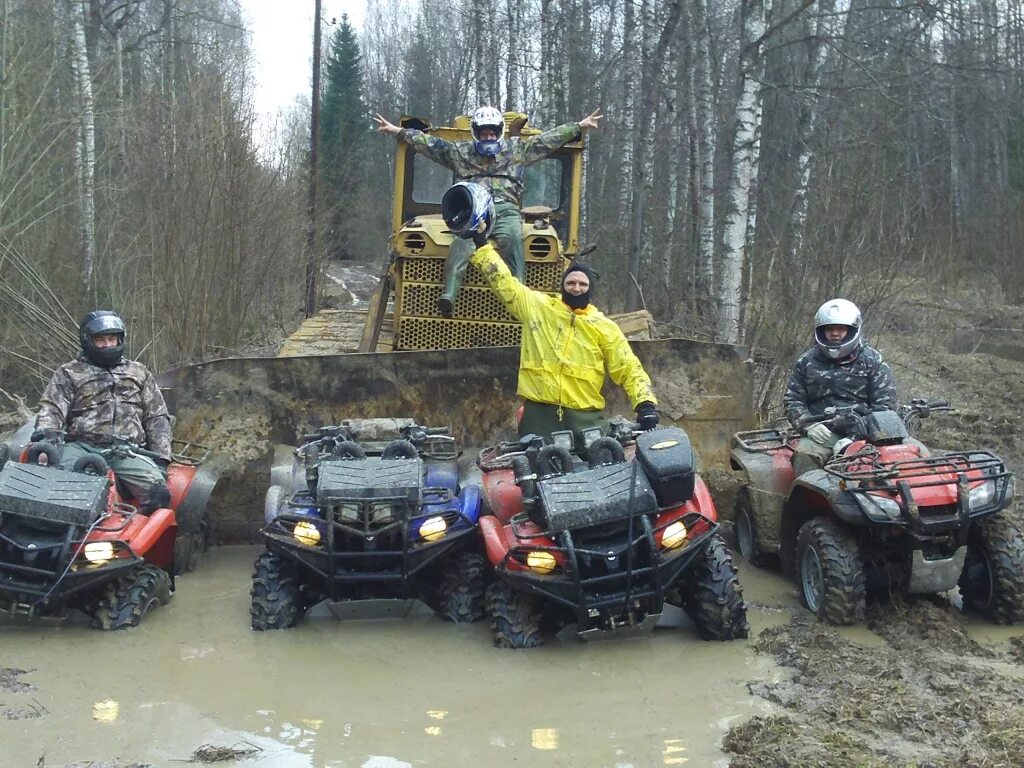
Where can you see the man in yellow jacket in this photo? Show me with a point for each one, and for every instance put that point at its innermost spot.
(567, 349)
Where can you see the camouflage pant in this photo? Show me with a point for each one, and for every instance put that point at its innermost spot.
(138, 473)
(508, 236)
(543, 419)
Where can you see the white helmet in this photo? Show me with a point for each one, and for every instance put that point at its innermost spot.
(487, 117)
(838, 312)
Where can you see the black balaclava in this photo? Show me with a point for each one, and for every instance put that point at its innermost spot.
(581, 301)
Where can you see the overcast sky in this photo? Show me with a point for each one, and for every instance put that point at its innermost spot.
(282, 42)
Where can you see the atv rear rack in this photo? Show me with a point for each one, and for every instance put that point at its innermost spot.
(763, 440)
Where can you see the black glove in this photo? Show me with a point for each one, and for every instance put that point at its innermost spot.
(646, 415)
(479, 239)
(50, 435)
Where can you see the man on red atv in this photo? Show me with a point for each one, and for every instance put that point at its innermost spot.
(100, 402)
(840, 370)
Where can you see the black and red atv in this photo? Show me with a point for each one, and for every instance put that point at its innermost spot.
(883, 514)
(606, 543)
(71, 539)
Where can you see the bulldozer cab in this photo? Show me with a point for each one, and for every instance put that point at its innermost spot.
(420, 240)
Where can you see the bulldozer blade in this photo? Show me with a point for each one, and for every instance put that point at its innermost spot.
(243, 407)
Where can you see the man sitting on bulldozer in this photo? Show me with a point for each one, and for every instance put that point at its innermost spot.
(497, 164)
(568, 345)
(101, 403)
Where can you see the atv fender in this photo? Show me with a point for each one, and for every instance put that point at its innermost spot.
(815, 493)
(154, 539)
(769, 476)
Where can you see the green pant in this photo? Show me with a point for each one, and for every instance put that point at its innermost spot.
(138, 473)
(507, 233)
(810, 455)
(543, 419)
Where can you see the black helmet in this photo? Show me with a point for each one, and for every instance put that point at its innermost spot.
(96, 323)
(468, 208)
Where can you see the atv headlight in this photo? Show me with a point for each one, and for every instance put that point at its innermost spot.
(98, 552)
(674, 535)
(306, 533)
(433, 528)
(541, 562)
(882, 507)
(982, 496)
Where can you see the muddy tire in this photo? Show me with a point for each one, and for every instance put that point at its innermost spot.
(515, 617)
(190, 542)
(992, 582)
(712, 596)
(276, 599)
(127, 599)
(830, 572)
(462, 589)
(746, 531)
(5, 454)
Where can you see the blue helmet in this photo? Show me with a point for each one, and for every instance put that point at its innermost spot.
(487, 117)
(468, 208)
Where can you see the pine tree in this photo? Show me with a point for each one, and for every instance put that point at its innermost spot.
(344, 122)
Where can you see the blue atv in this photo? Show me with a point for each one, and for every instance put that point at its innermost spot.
(370, 509)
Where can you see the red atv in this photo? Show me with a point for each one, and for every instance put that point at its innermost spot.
(604, 543)
(883, 514)
(71, 539)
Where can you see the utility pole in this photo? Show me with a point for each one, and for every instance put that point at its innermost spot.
(312, 257)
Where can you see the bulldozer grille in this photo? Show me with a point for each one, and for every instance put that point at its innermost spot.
(435, 333)
(542, 276)
(480, 319)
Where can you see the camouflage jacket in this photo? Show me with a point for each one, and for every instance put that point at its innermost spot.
(503, 173)
(94, 405)
(818, 383)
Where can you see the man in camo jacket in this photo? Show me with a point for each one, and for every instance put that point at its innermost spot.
(839, 370)
(498, 165)
(101, 400)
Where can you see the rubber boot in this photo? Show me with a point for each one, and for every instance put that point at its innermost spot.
(155, 497)
(454, 270)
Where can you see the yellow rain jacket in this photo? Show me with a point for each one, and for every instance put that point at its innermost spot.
(565, 353)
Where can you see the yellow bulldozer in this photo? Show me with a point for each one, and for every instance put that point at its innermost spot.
(459, 371)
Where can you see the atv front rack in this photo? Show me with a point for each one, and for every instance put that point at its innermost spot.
(388, 554)
(647, 573)
(864, 474)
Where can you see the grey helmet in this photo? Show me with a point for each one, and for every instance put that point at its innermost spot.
(97, 323)
(468, 208)
(838, 312)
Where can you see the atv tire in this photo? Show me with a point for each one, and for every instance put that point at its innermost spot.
(190, 542)
(746, 531)
(712, 596)
(992, 582)
(276, 599)
(830, 572)
(5, 454)
(515, 617)
(127, 599)
(462, 589)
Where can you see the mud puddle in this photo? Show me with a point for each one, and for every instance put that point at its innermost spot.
(376, 694)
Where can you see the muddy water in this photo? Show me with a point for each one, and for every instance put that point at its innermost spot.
(380, 694)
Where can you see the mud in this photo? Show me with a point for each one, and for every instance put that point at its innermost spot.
(194, 680)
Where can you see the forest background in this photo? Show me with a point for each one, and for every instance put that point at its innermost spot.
(756, 158)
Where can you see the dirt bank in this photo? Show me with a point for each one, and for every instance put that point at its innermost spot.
(925, 685)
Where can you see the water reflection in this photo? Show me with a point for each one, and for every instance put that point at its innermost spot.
(105, 711)
(544, 738)
(670, 755)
